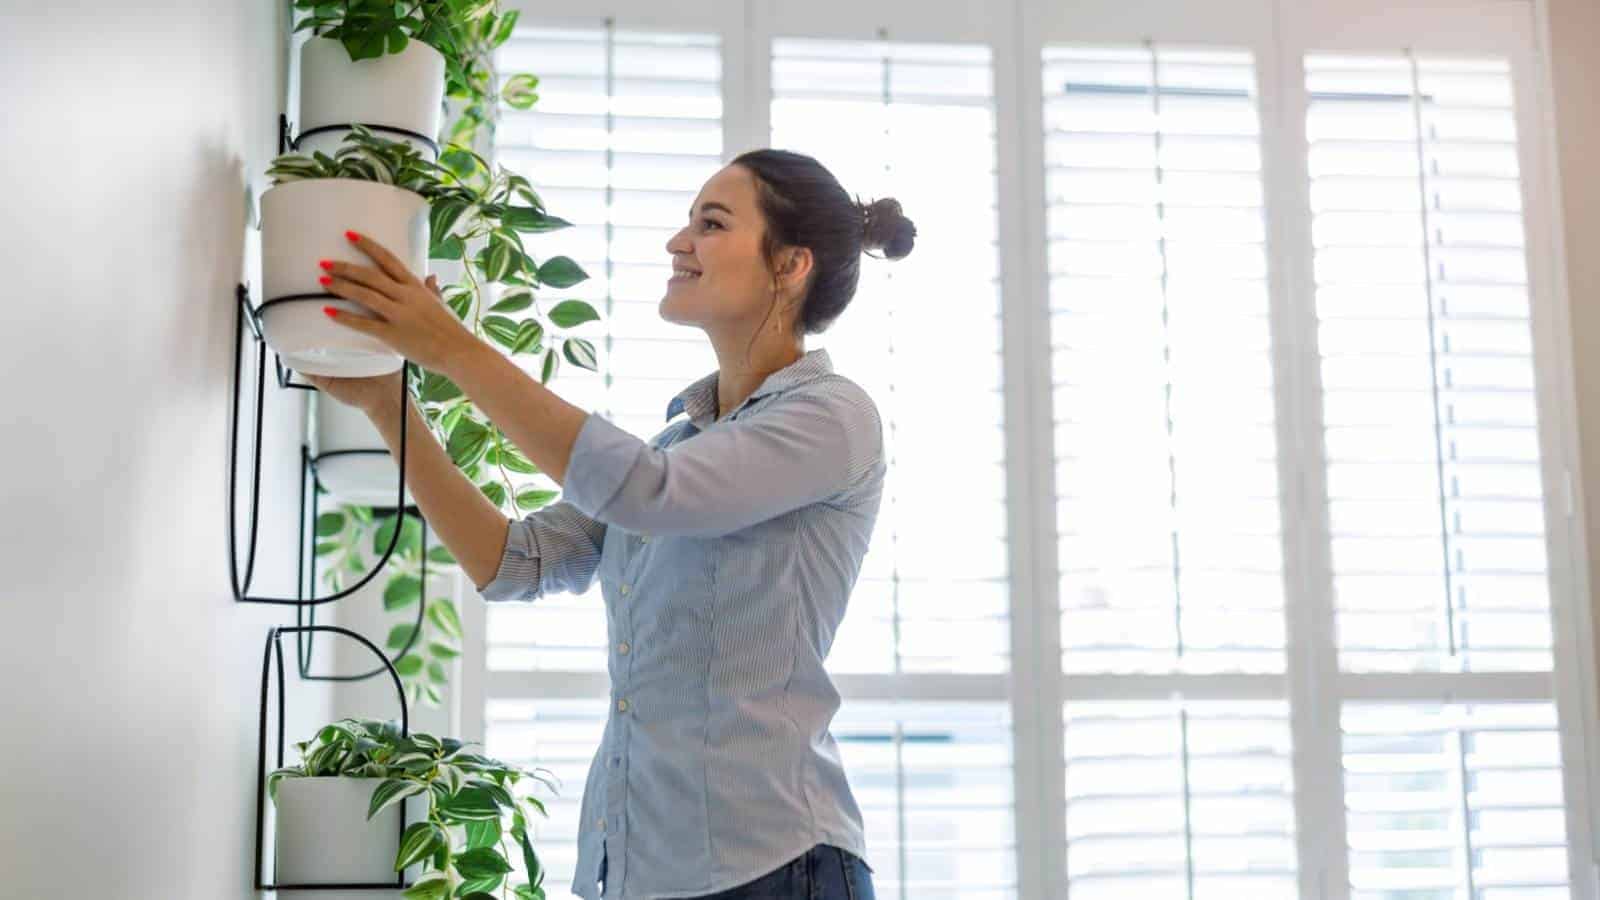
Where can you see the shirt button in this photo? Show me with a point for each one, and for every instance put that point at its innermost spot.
(624, 589)
(622, 706)
(644, 539)
(623, 648)
(601, 824)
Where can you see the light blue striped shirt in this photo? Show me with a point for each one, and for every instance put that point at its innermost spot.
(726, 551)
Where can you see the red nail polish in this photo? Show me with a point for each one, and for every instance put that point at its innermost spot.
(353, 237)
(326, 264)
(331, 312)
(325, 280)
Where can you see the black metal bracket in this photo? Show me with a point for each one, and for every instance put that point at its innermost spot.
(248, 318)
(289, 142)
(275, 648)
(307, 615)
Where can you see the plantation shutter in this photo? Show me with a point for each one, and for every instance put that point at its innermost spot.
(627, 128)
(917, 122)
(1170, 541)
(1435, 499)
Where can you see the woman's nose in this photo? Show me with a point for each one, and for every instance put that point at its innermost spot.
(679, 243)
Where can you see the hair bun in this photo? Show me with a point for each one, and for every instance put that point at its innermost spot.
(885, 227)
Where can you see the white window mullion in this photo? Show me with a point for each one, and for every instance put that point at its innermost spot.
(1313, 658)
(1035, 635)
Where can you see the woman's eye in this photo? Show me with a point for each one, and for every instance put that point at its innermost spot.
(710, 223)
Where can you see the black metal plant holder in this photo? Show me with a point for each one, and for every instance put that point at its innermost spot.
(305, 600)
(274, 648)
(241, 586)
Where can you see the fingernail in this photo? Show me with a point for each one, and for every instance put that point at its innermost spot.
(325, 280)
(352, 236)
(331, 312)
(326, 264)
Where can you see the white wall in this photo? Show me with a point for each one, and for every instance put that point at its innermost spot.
(128, 135)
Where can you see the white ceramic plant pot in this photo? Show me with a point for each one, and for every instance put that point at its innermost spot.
(323, 837)
(400, 90)
(361, 479)
(305, 221)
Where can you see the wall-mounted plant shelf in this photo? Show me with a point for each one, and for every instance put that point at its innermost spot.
(384, 853)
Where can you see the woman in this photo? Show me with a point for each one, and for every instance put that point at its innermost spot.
(726, 548)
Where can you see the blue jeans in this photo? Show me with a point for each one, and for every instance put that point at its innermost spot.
(824, 872)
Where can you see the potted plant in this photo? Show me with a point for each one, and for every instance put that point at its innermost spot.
(391, 62)
(489, 208)
(465, 812)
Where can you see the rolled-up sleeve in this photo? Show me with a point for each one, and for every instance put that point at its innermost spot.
(806, 445)
(551, 550)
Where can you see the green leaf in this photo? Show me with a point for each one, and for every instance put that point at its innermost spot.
(484, 833)
(443, 651)
(330, 524)
(534, 498)
(529, 336)
(512, 459)
(452, 417)
(443, 217)
(530, 859)
(501, 329)
(437, 388)
(432, 886)
(518, 91)
(531, 220)
(495, 491)
(468, 441)
(436, 673)
(408, 665)
(416, 843)
(401, 592)
(448, 247)
(528, 892)
(498, 257)
(514, 301)
(432, 695)
(580, 353)
(552, 361)
(503, 28)
(399, 636)
(468, 805)
(477, 894)
(572, 313)
(561, 272)
(392, 790)
(442, 613)
(460, 303)
(326, 547)
(481, 862)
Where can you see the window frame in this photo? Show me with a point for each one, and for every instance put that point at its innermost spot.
(1279, 34)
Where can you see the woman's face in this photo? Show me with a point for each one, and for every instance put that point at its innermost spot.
(720, 279)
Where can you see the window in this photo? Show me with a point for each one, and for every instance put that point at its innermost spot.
(1252, 292)
(933, 598)
(627, 127)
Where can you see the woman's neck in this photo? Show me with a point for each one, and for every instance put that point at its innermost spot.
(741, 372)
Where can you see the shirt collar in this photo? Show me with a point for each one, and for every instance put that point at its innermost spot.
(700, 399)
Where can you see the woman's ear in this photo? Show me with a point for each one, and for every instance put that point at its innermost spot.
(794, 267)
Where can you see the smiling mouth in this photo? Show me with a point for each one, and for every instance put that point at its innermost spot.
(680, 274)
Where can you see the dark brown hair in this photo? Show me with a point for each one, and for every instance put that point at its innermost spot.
(805, 206)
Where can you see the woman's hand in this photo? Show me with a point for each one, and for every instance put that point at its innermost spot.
(373, 395)
(411, 318)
